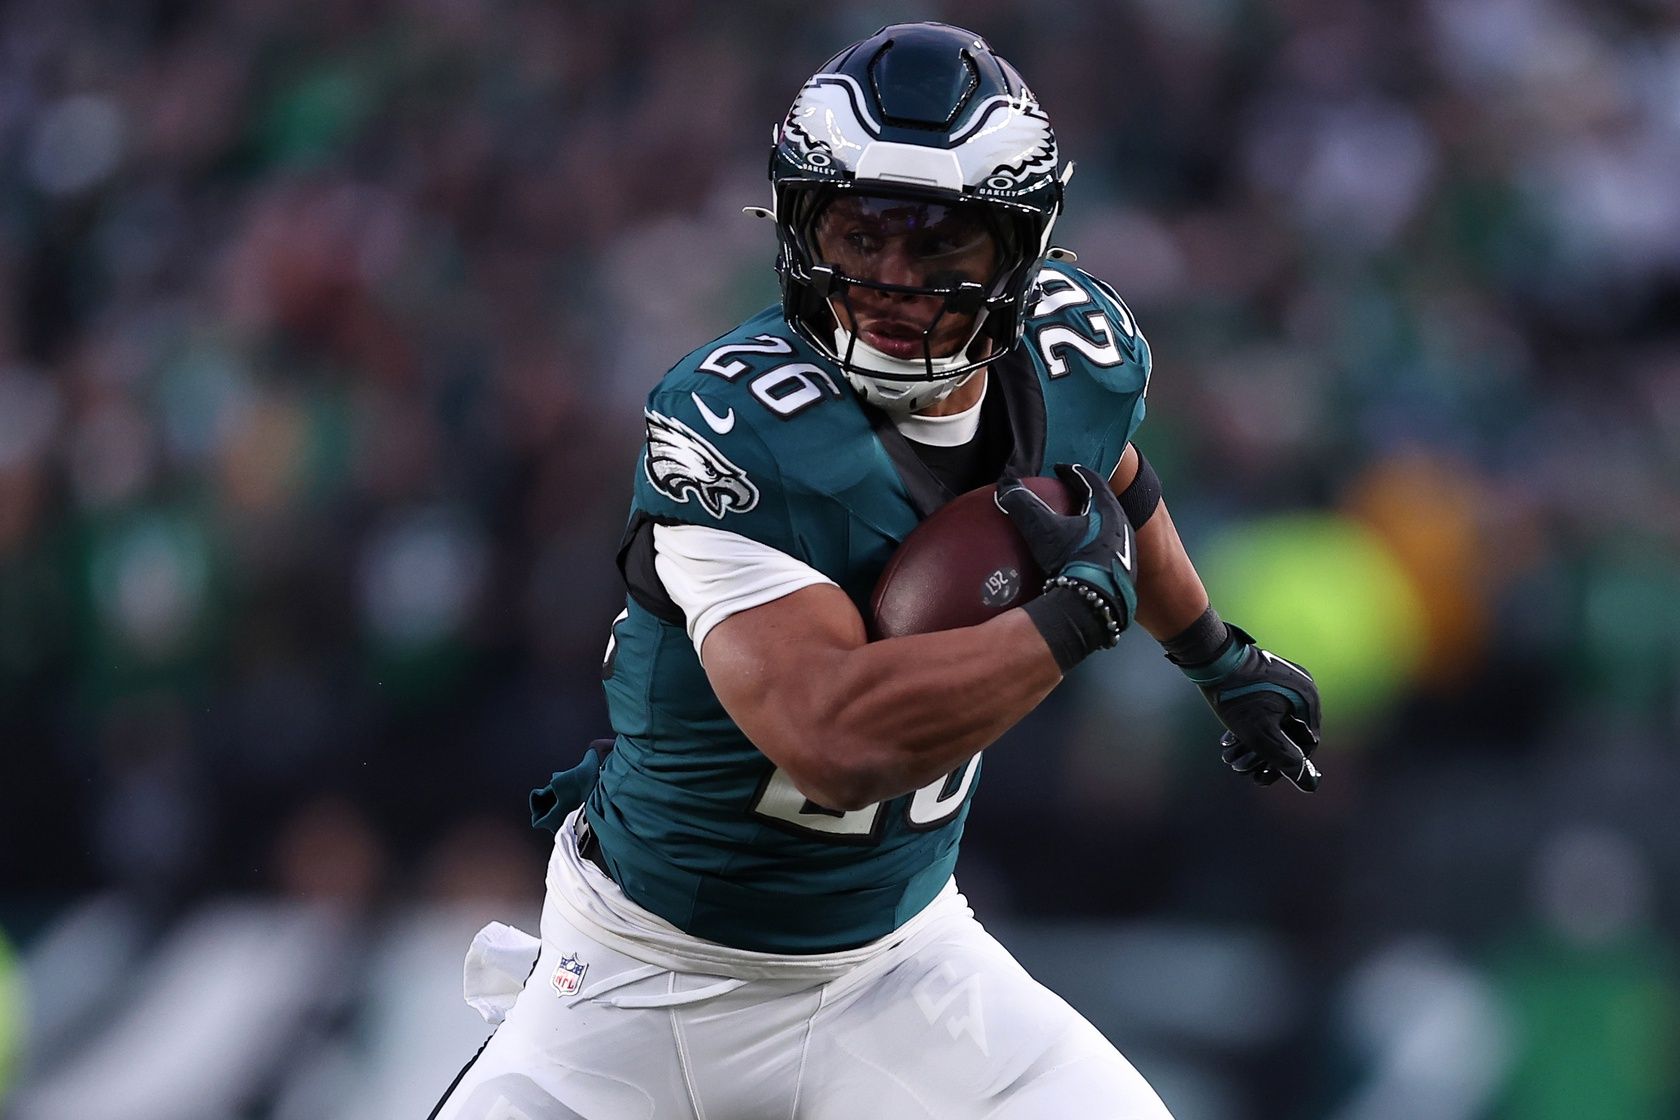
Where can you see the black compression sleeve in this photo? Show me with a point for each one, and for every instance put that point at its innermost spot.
(1071, 629)
(1140, 498)
(1200, 642)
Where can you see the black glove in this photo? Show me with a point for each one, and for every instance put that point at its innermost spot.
(1269, 704)
(1090, 557)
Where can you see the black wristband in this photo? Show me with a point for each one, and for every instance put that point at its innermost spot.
(1071, 629)
(1142, 495)
(1200, 642)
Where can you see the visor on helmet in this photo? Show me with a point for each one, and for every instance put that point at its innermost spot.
(909, 244)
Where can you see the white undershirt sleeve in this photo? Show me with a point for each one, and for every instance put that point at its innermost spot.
(712, 574)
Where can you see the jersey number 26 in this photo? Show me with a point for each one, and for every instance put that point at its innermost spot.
(930, 807)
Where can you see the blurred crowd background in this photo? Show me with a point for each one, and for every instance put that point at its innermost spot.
(325, 330)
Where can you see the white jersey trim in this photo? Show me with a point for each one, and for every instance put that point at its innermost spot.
(713, 574)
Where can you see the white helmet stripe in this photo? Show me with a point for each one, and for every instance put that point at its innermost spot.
(1006, 144)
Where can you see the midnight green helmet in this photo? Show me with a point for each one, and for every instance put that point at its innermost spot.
(926, 113)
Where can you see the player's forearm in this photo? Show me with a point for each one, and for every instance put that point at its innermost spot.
(1170, 593)
(898, 714)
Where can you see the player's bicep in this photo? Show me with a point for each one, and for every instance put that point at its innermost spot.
(711, 574)
(769, 665)
(766, 626)
(760, 660)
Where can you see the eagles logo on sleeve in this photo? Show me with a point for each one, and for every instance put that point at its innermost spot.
(682, 464)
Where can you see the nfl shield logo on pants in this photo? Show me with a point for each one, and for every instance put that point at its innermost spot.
(568, 976)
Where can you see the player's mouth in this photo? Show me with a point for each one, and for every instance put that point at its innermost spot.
(896, 340)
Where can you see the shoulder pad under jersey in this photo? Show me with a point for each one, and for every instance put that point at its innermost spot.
(1080, 327)
(734, 429)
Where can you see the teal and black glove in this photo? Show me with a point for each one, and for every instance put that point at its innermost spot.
(1090, 557)
(1270, 706)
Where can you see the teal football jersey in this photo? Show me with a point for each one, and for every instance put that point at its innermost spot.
(760, 435)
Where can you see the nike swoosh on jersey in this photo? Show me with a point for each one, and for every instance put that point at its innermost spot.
(719, 424)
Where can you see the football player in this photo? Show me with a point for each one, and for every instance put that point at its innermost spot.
(753, 912)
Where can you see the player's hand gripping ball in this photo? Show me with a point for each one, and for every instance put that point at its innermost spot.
(1091, 552)
(965, 564)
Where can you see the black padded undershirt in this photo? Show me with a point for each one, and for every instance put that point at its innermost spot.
(979, 461)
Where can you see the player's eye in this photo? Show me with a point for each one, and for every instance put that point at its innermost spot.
(946, 243)
(936, 245)
(862, 242)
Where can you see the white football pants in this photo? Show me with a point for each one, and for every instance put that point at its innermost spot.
(619, 1021)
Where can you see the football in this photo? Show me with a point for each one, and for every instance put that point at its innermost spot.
(960, 567)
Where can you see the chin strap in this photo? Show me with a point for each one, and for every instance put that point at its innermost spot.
(859, 355)
(920, 397)
(893, 395)
(889, 395)
(912, 402)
